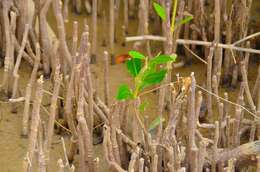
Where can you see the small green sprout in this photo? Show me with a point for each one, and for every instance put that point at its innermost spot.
(160, 10)
(145, 72)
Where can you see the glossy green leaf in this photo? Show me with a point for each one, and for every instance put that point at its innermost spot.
(143, 106)
(160, 10)
(162, 59)
(185, 20)
(146, 71)
(134, 66)
(156, 122)
(136, 55)
(150, 78)
(154, 77)
(124, 92)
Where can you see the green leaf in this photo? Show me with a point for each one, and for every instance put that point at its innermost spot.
(185, 20)
(151, 77)
(145, 71)
(154, 78)
(155, 123)
(162, 59)
(124, 92)
(160, 10)
(143, 106)
(136, 55)
(134, 66)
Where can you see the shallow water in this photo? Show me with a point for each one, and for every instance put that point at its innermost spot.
(14, 147)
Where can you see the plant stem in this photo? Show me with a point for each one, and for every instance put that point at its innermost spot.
(175, 4)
